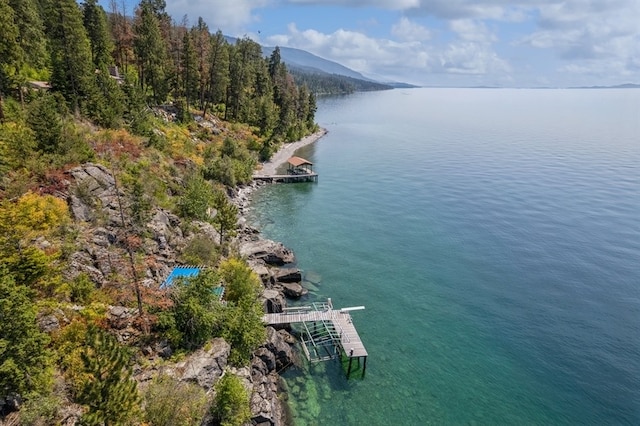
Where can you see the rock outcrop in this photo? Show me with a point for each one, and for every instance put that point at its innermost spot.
(270, 252)
(273, 301)
(94, 193)
(203, 367)
(293, 290)
(268, 360)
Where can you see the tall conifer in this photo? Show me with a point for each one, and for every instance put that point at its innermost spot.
(218, 79)
(202, 46)
(151, 53)
(95, 23)
(190, 76)
(31, 32)
(72, 69)
(24, 359)
(9, 49)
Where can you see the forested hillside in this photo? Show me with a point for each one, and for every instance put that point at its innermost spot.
(323, 83)
(121, 139)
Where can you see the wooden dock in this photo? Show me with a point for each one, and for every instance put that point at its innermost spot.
(328, 333)
(288, 178)
(300, 170)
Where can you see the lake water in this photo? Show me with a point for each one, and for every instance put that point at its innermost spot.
(493, 237)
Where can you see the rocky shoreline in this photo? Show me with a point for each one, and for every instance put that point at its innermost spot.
(282, 280)
(95, 201)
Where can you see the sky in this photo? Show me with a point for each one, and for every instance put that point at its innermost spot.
(505, 43)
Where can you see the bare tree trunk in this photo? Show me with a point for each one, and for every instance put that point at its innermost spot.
(132, 262)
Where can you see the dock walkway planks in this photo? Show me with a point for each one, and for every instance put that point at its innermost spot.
(313, 177)
(349, 338)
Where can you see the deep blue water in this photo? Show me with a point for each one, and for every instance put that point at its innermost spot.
(494, 238)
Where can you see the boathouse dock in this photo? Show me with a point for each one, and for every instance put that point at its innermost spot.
(299, 170)
(327, 333)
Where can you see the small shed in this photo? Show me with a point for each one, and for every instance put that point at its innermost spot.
(299, 166)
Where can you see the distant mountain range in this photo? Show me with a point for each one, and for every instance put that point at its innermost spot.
(303, 60)
(619, 86)
(306, 66)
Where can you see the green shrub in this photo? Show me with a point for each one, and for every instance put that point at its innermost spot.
(196, 199)
(81, 289)
(231, 405)
(41, 410)
(196, 314)
(169, 402)
(243, 329)
(240, 280)
(200, 250)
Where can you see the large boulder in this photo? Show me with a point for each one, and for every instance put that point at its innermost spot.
(203, 367)
(273, 301)
(260, 268)
(271, 252)
(288, 275)
(294, 290)
(280, 344)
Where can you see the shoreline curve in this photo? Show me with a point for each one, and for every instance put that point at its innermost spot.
(283, 154)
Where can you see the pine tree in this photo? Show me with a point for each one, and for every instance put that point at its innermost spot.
(245, 58)
(24, 359)
(202, 45)
(311, 111)
(190, 77)
(226, 217)
(274, 62)
(110, 395)
(10, 51)
(106, 102)
(31, 32)
(150, 50)
(95, 23)
(73, 71)
(217, 81)
(45, 119)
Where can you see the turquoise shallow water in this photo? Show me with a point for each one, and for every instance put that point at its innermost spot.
(494, 238)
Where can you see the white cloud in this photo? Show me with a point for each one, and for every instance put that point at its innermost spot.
(383, 4)
(472, 58)
(408, 30)
(472, 30)
(230, 16)
(394, 60)
(596, 37)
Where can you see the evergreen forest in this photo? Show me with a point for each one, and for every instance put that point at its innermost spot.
(124, 136)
